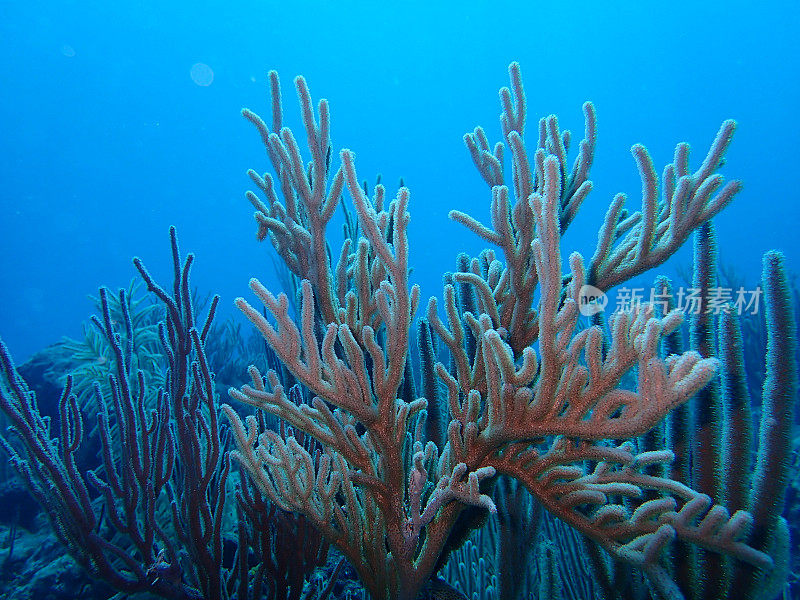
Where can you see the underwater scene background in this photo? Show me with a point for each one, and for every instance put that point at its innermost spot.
(510, 440)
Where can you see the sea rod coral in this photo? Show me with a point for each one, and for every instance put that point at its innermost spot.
(394, 443)
(517, 388)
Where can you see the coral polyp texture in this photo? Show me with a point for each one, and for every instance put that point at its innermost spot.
(393, 432)
(527, 393)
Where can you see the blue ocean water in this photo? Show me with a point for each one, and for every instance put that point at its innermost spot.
(119, 120)
(107, 140)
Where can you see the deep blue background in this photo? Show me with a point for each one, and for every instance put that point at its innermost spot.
(106, 141)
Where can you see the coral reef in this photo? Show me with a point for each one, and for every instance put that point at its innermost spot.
(368, 438)
(528, 394)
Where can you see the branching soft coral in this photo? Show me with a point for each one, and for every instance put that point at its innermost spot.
(528, 393)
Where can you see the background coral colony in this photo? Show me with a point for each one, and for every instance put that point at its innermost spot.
(598, 401)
